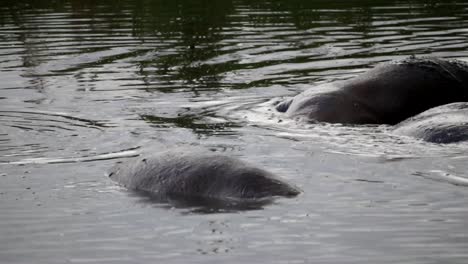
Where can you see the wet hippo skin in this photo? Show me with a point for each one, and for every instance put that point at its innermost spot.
(443, 124)
(199, 174)
(387, 94)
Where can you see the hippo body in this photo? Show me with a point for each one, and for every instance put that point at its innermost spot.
(387, 94)
(442, 124)
(187, 175)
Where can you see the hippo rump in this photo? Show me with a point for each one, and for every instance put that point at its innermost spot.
(199, 176)
(443, 124)
(387, 94)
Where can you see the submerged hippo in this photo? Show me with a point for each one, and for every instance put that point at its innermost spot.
(199, 174)
(442, 124)
(386, 94)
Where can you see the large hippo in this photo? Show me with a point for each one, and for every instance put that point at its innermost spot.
(386, 94)
(199, 174)
(442, 124)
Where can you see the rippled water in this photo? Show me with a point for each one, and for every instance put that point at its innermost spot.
(85, 84)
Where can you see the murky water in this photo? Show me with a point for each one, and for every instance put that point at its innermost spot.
(87, 83)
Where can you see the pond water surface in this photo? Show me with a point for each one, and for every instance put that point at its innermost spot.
(85, 84)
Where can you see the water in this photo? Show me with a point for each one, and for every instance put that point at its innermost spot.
(87, 84)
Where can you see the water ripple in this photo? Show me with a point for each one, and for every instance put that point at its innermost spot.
(87, 82)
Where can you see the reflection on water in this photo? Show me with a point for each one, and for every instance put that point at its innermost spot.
(87, 83)
(201, 205)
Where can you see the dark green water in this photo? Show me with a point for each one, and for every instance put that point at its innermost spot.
(85, 84)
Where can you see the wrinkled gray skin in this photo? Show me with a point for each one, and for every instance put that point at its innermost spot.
(386, 94)
(442, 124)
(199, 174)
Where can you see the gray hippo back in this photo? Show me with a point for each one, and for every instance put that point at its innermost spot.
(386, 94)
(442, 124)
(199, 175)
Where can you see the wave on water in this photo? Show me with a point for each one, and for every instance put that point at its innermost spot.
(39, 137)
(362, 140)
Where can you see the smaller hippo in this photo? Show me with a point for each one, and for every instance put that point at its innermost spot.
(442, 124)
(199, 175)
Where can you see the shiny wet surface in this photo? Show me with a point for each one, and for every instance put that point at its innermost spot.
(85, 85)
